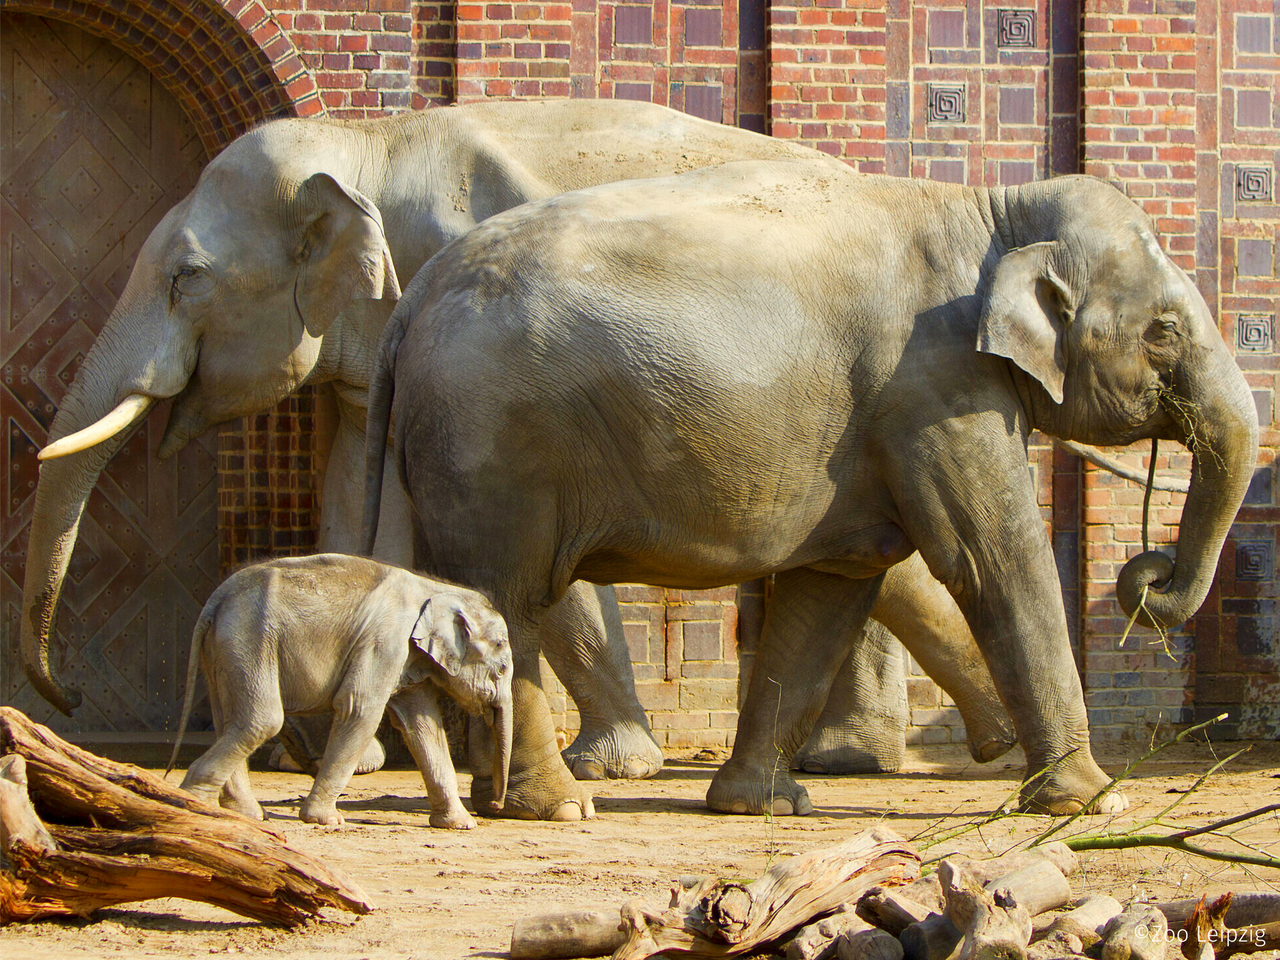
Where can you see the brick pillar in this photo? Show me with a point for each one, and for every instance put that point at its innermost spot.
(433, 69)
(826, 78)
(267, 484)
(1139, 120)
(1238, 630)
(513, 49)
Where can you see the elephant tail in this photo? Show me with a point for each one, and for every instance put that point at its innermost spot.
(193, 668)
(382, 389)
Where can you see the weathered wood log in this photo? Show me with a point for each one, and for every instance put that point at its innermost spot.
(114, 833)
(1087, 921)
(872, 944)
(817, 940)
(992, 923)
(1254, 939)
(1246, 909)
(1055, 946)
(1055, 852)
(722, 918)
(565, 936)
(892, 910)
(1039, 885)
(1140, 933)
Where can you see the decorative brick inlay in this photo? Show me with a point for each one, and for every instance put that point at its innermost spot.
(1016, 28)
(946, 103)
(1253, 108)
(1253, 258)
(946, 28)
(1255, 560)
(228, 63)
(1253, 34)
(1255, 333)
(1253, 184)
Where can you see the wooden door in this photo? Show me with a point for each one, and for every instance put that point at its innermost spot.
(94, 152)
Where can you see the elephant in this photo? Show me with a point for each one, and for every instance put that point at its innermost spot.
(342, 633)
(584, 396)
(281, 268)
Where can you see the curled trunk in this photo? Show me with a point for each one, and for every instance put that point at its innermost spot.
(1220, 426)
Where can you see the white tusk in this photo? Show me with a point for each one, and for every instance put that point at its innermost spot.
(129, 409)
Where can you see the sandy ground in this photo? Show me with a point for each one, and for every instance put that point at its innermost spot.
(443, 895)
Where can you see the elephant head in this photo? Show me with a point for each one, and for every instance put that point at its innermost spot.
(1119, 345)
(469, 655)
(225, 311)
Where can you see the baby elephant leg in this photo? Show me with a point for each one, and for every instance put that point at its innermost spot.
(355, 720)
(221, 775)
(416, 713)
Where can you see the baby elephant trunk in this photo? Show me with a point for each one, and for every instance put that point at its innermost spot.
(502, 723)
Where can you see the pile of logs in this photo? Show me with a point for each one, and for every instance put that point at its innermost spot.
(865, 900)
(79, 832)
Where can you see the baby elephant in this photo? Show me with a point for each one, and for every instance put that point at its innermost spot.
(310, 634)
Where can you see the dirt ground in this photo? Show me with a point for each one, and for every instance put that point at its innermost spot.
(443, 895)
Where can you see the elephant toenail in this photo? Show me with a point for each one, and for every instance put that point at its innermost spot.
(782, 808)
(739, 806)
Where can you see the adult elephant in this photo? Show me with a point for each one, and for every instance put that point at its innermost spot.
(281, 268)
(586, 397)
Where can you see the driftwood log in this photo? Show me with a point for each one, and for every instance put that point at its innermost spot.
(724, 918)
(817, 941)
(1037, 886)
(79, 832)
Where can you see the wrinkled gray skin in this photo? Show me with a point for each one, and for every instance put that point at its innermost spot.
(590, 401)
(281, 267)
(341, 633)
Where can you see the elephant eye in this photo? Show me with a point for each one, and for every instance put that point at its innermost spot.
(186, 282)
(1163, 327)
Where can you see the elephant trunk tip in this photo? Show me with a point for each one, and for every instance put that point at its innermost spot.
(66, 699)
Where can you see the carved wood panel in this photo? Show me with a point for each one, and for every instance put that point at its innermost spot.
(94, 152)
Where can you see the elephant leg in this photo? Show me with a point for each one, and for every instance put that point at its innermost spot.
(582, 639)
(238, 796)
(353, 728)
(925, 618)
(808, 632)
(863, 726)
(540, 786)
(416, 714)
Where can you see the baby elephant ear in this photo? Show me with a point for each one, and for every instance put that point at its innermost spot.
(436, 634)
(1026, 315)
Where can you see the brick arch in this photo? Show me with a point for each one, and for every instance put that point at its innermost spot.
(227, 62)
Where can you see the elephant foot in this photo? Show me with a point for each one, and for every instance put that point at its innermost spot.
(455, 818)
(1064, 790)
(739, 788)
(543, 792)
(322, 813)
(838, 751)
(614, 752)
(985, 749)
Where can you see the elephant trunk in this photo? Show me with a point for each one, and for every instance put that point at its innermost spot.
(1221, 429)
(111, 392)
(502, 733)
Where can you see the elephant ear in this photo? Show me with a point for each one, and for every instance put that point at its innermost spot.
(1026, 315)
(442, 632)
(342, 252)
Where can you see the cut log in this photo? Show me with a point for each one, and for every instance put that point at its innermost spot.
(817, 941)
(892, 910)
(870, 944)
(1246, 910)
(992, 923)
(565, 936)
(1056, 945)
(1038, 884)
(1055, 852)
(1087, 921)
(723, 918)
(114, 833)
(1140, 933)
